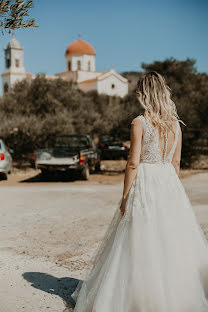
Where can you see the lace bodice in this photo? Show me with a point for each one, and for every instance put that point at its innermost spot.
(150, 151)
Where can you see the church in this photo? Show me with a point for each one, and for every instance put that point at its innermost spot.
(80, 64)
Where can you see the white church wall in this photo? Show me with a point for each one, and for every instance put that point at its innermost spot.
(111, 85)
(16, 61)
(17, 77)
(17, 55)
(87, 62)
(88, 86)
(70, 75)
(11, 79)
(85, 75)
(73, 61)
(5, 80)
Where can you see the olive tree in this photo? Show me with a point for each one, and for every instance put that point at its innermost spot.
(13, 14)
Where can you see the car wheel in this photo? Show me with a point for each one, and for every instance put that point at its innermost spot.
(122, 158)
(92, 170)
(85, 173)
(44, 172)
(3, 176)
(97, 167)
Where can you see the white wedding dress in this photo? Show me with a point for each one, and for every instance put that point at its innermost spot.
(154, 258)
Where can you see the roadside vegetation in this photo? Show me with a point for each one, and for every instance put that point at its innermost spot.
(34, 110)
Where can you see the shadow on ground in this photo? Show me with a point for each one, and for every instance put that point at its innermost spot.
(62, 287)
(51, 177)
(66, 177)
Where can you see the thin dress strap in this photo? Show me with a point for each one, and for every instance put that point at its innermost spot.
(143, 120)
(170, 155)
(166, 145)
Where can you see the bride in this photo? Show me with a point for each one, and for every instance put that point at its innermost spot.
(154, 255)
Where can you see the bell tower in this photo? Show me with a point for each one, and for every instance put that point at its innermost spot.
(14, 64)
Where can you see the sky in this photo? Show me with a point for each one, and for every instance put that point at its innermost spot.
(123, 33)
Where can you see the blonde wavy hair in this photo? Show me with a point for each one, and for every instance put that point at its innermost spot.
(155, 96)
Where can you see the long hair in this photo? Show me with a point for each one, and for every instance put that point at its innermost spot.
(155, 96)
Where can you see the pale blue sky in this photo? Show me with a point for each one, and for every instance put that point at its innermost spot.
(123, 33)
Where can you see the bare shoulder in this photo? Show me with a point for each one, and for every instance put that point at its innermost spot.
(136, 128)
(137, 122)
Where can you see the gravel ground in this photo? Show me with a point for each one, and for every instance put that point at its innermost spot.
(49, 232)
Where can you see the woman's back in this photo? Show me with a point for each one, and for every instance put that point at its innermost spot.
(158, 148)
(154, 257)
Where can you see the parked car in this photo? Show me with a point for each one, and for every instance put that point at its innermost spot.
(5, 161)
(76, 153)
(112, 148)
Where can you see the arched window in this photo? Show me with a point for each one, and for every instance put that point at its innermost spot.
(6, 87)
(69, 65)
(8, 59)
(79, 65)
(8, 63)
(89, 69)
(113, 86)
(17, 62)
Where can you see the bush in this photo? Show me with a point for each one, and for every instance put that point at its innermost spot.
(34, 110)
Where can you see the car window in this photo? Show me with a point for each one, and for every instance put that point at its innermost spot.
(107, 139)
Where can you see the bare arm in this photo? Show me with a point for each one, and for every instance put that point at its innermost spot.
(133, 160)
(177, 154)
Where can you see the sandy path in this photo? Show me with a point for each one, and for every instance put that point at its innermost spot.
(48, 232)
(51, 229)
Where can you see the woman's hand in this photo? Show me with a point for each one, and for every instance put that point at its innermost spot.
(123, 207)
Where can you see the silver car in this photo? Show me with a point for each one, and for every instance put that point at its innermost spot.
(5, 161)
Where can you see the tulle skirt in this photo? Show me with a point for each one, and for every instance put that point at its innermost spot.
(152, 259)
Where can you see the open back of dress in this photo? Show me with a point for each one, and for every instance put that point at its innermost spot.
(155, 149)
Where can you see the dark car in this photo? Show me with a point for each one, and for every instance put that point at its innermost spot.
(76, 153)
(112, 148)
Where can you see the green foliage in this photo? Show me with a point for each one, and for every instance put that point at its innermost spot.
(13, 13)
(34, 110)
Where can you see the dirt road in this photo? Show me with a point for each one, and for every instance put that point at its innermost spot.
(50, 231)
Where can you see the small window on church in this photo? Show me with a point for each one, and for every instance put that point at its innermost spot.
(89, 69)
(79, 65)
(69, 65)
(8, 63)
(17, 63)
(113, 86)
(6, 87)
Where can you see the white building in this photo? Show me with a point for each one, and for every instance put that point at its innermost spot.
(14, 64)
(80, 68)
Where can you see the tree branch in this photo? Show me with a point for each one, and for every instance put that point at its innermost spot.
(13, 13)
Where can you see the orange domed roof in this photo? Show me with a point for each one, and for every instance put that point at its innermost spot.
(80, 47)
